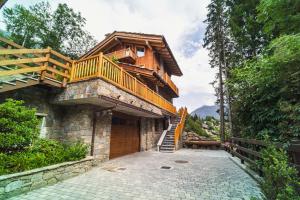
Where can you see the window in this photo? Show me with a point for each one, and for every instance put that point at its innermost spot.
(140, 51)
(42, 125)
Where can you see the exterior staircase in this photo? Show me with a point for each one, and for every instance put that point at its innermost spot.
(168, 143)
(13, 82)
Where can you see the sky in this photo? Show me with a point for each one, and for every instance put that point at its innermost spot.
(180, 21)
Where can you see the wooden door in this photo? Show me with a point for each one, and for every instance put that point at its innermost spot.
(125, 137)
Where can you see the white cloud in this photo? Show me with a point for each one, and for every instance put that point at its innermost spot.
(181, 22)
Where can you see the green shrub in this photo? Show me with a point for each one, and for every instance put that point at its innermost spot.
(52, 149)
(21, 161)
(20, 147)
(280, 179)
(42, 153)
(18, 126)
(75, 151)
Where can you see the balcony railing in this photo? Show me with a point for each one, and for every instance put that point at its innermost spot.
(102, 67)
(172, 85)
(182, 113)
(48, 65)
(123, 54)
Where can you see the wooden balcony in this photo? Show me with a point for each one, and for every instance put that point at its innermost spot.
(123, 55)
(52, 66)
(100, 66)
(171, 84)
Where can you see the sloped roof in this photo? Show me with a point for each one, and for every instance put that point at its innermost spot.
(156, 42)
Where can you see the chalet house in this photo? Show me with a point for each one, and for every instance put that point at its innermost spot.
(118, 97)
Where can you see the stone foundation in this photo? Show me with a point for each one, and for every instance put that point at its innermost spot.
(150, 132)
(14, 184)
(69, 122)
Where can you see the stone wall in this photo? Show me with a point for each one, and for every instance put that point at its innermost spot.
(77, 123)
(67, 122)
(75, 120)
(150, 136)
(90, 90)
(39, 97)
(14, 184)
(102, 136)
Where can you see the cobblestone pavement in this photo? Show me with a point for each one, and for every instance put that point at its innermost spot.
(208, 175)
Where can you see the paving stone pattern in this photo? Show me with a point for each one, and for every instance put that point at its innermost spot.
(208, 175)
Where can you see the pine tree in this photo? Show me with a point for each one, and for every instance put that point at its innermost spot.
(218, 42)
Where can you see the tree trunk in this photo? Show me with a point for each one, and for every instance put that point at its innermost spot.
(222, 122)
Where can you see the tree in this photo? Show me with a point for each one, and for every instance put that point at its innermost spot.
(279, 17)
(218, 42)
(39, 27)
(245, 30)
(266, 92)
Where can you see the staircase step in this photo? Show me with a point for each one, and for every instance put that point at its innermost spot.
(167, 146)
(167, 151)
(8, 83)
(168, 140)
(21, 80)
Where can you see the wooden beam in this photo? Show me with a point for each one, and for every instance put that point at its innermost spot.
(11, 43)
(22, 61)
(60, 55)
(21, 71)
(22, 51)
(118, 40)
(148, 44)
(58, 72)
(59, 64)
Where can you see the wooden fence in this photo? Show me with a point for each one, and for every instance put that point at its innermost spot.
(249, 150)
(50, 65)
(179, 128)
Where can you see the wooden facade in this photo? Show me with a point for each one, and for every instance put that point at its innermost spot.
(147, 57)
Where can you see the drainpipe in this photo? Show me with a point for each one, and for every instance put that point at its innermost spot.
(95, 115)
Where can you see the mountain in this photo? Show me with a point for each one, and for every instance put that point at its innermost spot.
(204, 111)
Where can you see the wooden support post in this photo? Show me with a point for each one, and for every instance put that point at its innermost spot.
(100, 62)
(121, 77)
(65, 79)
(43, 73)
(72, 73)
(134, 86)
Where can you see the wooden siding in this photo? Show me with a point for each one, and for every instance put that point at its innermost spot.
(150, 61)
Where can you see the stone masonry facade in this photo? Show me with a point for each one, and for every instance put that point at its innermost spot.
(93, 89)
(76, 121)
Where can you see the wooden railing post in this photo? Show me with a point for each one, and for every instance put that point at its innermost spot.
(100, 64)
(65, 80)
(134, 85)
(43, 73)
(72, 73)
(121, 77)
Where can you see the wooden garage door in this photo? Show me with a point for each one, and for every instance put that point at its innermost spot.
(125, 137)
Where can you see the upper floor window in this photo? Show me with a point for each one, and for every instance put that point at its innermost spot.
(140, 51)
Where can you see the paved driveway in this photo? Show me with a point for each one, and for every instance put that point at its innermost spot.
(208, 175)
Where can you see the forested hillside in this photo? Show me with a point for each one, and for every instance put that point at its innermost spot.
(255, 45)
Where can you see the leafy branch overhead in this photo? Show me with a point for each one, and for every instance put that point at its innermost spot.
(39, 27)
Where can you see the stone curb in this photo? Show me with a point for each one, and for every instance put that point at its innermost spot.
(18, 183)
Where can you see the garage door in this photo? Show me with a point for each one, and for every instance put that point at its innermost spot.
(125, 137)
